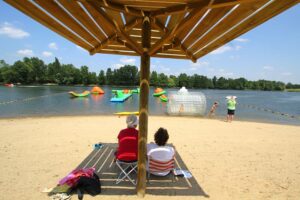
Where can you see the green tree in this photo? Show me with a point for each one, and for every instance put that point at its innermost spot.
(171, 82)
(92, 78)
(162, 80)
(175, 79)
(126, 75)
(84, 71)
(109, 76)
(222, 83)
(101, 78)
(214, 81)
(54, 72)
(183, 80)
(3, 67)
(22, 71)
(154, 78)
(39, 69)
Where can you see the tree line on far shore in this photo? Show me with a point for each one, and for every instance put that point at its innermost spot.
(35, 71)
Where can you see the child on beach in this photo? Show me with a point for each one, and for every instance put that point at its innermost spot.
(213, 109)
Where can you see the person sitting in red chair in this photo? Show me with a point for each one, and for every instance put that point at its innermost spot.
(128, 141)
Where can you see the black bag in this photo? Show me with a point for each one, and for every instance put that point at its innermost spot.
(89, 185)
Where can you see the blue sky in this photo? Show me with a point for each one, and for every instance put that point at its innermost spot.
(270, 51)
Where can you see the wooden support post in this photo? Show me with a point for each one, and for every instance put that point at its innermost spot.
(143, 117)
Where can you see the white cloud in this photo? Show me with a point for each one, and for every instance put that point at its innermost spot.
(25, 52)
(268, 68)
(160, 68)
(237, 47)
(234, 57)
(53, 45)
(165, 69)
(12, 32)
(128, 61)
(47, 54)
(228, 74)
(117, 66)
(241, 40)
(222, 49)
(198, 65)
(286, 73)
(222, 72)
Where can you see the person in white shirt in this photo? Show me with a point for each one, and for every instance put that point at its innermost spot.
(159, 151)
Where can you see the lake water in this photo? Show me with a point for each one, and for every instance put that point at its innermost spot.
(261, 106)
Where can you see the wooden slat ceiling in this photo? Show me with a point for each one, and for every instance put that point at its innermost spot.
(184, 29)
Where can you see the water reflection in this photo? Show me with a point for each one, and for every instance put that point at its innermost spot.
(97, 97)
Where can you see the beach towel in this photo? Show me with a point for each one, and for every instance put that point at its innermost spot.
(72, 178)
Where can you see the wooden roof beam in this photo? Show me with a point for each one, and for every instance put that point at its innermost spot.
(275, 8)
(196, 13)
(103, 44)
(175, 43)
(117, 7)
(112, 37)
(119, 30)
(40, 16)
(56, 11)
(188, 7)
(76, 10)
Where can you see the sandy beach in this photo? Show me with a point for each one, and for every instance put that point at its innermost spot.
(238, 160)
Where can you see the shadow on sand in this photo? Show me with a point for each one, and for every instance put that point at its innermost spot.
(106, 169)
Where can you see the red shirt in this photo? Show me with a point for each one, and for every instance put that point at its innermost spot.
(128, 145)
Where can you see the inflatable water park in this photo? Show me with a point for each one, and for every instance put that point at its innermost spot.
(158, 92)
(161, 93)
(123, 95)
(184, 102)
(83, 94)
(97, 90)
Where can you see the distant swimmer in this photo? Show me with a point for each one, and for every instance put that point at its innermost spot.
(213, 109)
(231, 103)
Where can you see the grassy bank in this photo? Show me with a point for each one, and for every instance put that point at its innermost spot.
(293, 90)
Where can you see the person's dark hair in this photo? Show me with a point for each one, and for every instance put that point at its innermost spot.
(161, 137)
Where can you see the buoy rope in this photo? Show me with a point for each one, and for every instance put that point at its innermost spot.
(30, 98)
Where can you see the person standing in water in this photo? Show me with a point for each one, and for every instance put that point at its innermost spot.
(231, 103)
(213, 109)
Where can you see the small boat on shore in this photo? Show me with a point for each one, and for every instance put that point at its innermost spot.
(9, 85)
(84, 94)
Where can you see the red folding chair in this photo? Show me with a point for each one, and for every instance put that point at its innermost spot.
(127, 159)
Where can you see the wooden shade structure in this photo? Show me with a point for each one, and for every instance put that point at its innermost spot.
(181, 29)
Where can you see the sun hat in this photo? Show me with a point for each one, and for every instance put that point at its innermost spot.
(132, 121)
(231, 97)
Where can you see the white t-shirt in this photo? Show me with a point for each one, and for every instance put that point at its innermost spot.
(160, 153)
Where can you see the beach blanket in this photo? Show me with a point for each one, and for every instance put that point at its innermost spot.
(72, 178)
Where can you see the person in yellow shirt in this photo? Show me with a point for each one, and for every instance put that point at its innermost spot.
(231, 103)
